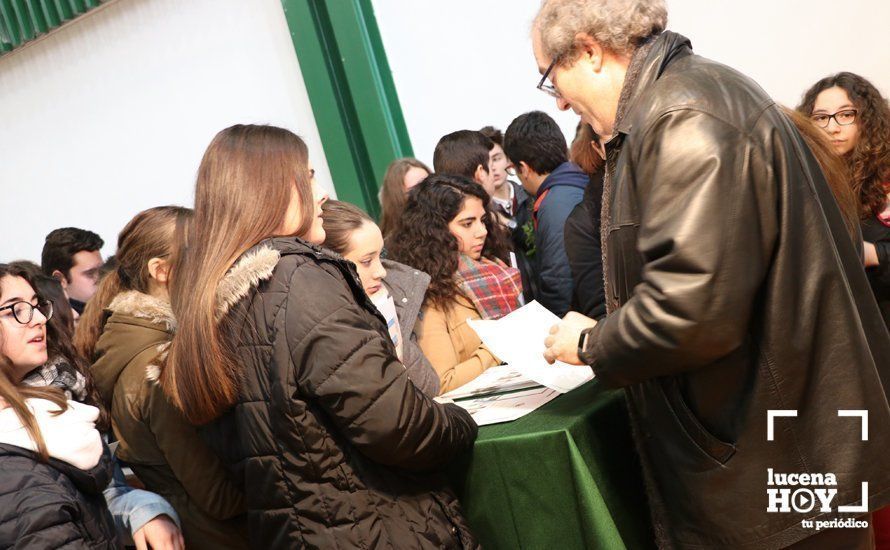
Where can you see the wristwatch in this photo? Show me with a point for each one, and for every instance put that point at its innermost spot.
(582, 341)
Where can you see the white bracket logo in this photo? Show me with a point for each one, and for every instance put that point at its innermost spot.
(862, 508)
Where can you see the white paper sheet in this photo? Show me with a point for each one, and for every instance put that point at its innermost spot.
(494, 409)
(499, 379)
(518, 340)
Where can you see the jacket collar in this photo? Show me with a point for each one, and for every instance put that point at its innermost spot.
(408, 288)
(647, 66)
(144, 306)
(567, 173)
(254, 266)
(258, 264)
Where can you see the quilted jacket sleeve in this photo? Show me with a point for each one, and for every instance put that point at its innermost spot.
(347, 365)
(41, 508)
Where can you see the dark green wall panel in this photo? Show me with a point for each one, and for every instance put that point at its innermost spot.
(24, 20)
(352, 93)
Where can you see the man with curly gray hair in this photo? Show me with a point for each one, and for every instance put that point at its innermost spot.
(732, 286)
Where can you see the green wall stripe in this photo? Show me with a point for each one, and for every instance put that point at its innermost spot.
(50, 13)
(38, 20)
(24, 20)
(352, 94)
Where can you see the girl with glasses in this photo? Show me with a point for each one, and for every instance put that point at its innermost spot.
(54, 462)
(140, 516)
(856, 118)
(285, 361)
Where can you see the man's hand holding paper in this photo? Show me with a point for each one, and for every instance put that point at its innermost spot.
(562, 344)
(517, 339)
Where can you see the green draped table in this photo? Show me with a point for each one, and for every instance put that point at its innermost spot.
(565, 476)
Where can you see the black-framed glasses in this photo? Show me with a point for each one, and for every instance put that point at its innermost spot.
(547, 87)
(23, 312)
(842, 118)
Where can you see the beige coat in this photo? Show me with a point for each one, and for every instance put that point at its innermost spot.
(451, 345)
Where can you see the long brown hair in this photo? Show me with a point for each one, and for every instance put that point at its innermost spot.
(392, 192)
(148, 235)
(245, 183)
(422, 238)
(340, 220)
(582, 153)
(832, 167)
(868, 164)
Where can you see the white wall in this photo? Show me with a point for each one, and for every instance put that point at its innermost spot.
(111, 115)
(468, 63)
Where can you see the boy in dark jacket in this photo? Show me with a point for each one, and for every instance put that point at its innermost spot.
(538, 151)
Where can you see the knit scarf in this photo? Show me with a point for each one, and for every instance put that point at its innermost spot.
(493, 286)
(59, 373)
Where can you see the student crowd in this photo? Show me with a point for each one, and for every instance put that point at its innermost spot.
(266, 362)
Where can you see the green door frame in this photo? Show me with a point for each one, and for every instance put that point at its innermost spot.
(352, 93)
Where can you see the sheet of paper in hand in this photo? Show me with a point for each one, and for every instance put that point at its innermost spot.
(518, 340)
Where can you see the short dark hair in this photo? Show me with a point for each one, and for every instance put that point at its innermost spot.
(535, 139)
(62, 244)
(459, 153)
(493, 134)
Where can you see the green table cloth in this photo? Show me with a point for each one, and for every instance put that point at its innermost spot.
(565, 476)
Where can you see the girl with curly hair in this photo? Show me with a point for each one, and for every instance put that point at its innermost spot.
(856, 118)
(449, 231)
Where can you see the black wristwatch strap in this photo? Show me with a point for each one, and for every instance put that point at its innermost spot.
(582, 341)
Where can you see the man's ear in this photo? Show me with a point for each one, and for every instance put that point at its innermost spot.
(59, 276)
(481, 174)
(523, 169)
(159, 270)
(589, 50)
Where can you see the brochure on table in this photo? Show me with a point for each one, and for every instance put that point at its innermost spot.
(506, 407)
(500, 379)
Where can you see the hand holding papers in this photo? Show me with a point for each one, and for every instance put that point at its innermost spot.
(518, 339)
(562, 344)
(510, 391)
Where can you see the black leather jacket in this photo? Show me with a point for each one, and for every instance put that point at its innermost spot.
(739, 291)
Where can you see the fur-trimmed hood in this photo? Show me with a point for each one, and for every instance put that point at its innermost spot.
(254, 266)
(137, 329)
(144, 306)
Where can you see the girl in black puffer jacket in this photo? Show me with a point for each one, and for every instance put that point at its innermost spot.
(53, 460)
(282, 355)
